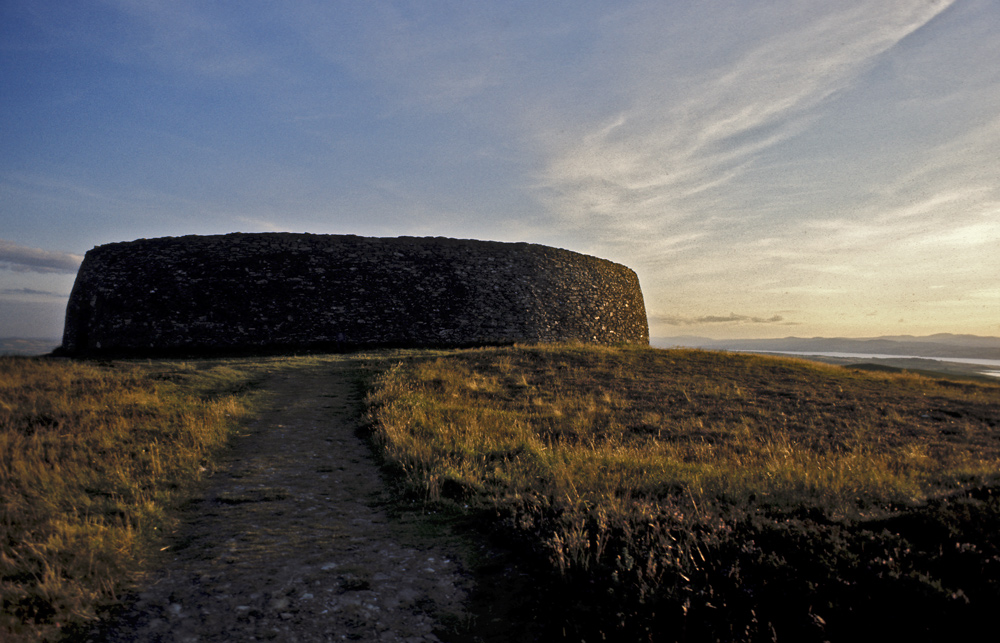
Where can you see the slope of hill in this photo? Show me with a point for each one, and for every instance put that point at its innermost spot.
(642, 494)
(702, 496)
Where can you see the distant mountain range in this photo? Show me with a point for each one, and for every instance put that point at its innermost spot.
(941, 345)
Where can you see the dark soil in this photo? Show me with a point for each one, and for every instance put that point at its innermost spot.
(291, 540)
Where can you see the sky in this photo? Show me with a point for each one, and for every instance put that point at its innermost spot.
(768, 168)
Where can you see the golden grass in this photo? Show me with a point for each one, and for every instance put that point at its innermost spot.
(633, 464)
(595, 423)
(663, 485)
(92, 460)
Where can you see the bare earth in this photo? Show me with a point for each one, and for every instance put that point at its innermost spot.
(289, 544)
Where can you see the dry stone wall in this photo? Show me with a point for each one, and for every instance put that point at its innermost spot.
(284, 291)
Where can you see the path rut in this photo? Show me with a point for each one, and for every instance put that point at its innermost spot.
(288, 541)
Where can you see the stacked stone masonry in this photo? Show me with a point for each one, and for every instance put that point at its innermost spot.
(284, 291)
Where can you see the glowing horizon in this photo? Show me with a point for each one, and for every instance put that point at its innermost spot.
(767, 170)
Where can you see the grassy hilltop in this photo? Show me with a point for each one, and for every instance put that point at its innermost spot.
(651, 494)
(688, 495)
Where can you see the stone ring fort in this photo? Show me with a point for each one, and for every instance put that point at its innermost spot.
(286, 291)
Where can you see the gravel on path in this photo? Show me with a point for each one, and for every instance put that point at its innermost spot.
(288, 542)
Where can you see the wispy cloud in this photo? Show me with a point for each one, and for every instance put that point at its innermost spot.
(663, 159)
(24, 259)
(731, 318)
(31, 293)
(795, 163)
(816, 160)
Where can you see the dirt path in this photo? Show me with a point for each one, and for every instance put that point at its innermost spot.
(288, 543)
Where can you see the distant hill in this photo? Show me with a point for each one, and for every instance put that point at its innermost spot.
(27, 345)
(941, 345)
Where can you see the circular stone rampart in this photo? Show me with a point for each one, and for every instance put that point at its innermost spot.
(285, 291)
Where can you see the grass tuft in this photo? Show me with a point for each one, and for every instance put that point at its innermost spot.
(695, 495)
(93, 458)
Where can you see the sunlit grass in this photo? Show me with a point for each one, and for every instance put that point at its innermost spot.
(722, 426)
(92, 461)
(628, 467)
(677, 494)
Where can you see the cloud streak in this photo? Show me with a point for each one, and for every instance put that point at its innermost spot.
(31, 294)
(24, 259)
(731, 318)
(662, 160)
(821, 160)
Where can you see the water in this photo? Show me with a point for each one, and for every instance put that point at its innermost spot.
(993, 363)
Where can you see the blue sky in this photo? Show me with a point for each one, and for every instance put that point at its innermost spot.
(768, 168)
